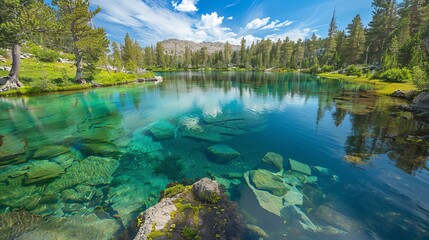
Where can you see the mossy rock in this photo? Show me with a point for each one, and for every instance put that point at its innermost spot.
(162, 130)
(267, 181)
(222, 154)
(49, 152)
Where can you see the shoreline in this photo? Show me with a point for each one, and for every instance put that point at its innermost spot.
(381, 87)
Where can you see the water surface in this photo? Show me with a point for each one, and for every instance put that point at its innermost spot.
(89, 162)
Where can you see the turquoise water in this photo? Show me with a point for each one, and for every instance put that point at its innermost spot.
(84, 164)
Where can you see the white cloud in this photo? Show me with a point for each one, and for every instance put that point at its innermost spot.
(257, 23)
(293, 34)
(277, 24)
(230, 18)
(185, 5)
(209, 21)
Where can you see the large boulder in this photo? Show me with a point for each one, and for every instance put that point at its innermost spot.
(274, 159)
(266, 180)
(162, 130)
(41, 171)
(187, 214)
(13, 224)
(222, 154)
(101, 149)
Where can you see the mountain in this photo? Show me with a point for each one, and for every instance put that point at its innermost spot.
(172, 45)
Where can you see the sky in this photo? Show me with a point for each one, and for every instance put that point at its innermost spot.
(150, 21)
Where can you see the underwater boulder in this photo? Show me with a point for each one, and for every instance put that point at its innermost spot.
(13, 224)
(354, 160)
(299, 167)
(101, 149)
(48, 152)
(274, 159)
(162, 130)
(337, 219)
(268, 181)
(11, 149)
(222, 154)
(91, 171)
(206, 190)
(40, 171)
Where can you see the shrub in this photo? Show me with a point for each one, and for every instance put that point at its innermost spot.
(396, 75)
(420, 78)
(353, 70)
(48, 55)
(314, 69)
(327, 68)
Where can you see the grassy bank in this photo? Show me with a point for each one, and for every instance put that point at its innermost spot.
(381, 86)
(41, 77)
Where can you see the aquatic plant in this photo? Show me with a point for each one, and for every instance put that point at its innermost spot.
(170, 166)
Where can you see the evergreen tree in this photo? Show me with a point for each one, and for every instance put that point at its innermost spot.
(227, 53)
(331, 43)
(286, 52)
(355, 40)
(116, 57)
(20, 21)
(160, 55)
(243, 53)
(87, 42)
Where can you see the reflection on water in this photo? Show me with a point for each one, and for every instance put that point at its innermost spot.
(85, 164)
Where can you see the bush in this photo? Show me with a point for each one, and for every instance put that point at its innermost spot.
(314, 69)
(353, 70)
(48, 55)
(420, 78)
(396, 75)
(189, 233)
(327, 68)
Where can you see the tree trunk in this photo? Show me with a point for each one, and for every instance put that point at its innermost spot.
(79, 69)
(12, 80)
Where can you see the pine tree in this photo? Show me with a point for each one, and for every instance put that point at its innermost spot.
(160, 55)
(243, 53)
(116, 57)
(227, 53)
(286, 52)
(20, 21)
(355, 40)
(88, 43)
(331, 43)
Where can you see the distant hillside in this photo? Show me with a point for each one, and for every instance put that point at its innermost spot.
(172, 45)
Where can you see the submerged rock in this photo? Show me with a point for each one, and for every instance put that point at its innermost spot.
(222, 154)
(13, 224)
(337, 219)
(49, 152)
(274, 159)
(299, 167)
(162, 130)
(354, 159)
(90, 171)
(11, 149)
(186, 216)
(257, 230)
(266, 180)
(41, 171)
(74, 227)
(101, 149)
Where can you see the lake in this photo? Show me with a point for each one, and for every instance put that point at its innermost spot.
(83, 165)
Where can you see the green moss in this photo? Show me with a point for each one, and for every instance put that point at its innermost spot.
(156, 234)
(174, 190)
(214, 198)
(189, 233)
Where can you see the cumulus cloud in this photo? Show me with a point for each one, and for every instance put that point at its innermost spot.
(185, 5)
(257, 23)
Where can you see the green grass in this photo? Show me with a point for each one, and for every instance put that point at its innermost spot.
(382, 87)
(40, 77)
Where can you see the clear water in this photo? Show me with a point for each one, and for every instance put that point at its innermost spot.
(312, 120)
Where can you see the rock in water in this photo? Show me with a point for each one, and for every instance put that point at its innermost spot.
(266, 180)
(266, 200)
(49, 152)
(299, 167)
(162, 130)
(11, 149)
(337, 219)
(222, 154)
(354, 159)
(186, 216)
(206, 190)
(274, 159)
(13, 224)
(257, 230)
(40, 171)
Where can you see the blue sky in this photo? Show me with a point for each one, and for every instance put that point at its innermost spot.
(149, 21)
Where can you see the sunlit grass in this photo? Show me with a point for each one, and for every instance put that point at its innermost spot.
(381, 86)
